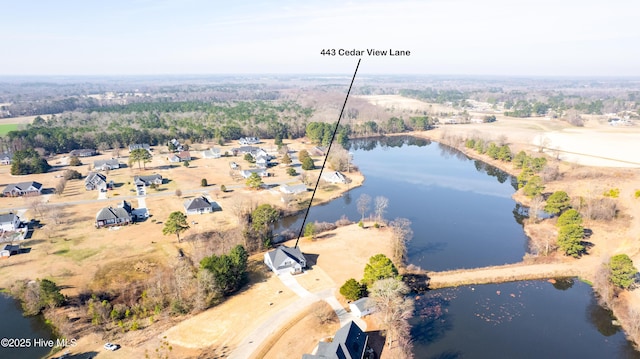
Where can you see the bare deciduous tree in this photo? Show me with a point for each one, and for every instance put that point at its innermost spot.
(402, 233)
(380, 205)
(537, 203)
(395, 310)
(363, 203)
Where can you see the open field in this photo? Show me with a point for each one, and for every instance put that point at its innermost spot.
(6, 127)
(23, 120)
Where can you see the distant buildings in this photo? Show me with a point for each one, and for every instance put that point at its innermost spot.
(106, 165)
(23, 189)
(85, 152)
(118, 216)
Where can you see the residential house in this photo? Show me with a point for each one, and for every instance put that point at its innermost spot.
(263, 162)
(146, 181)
(295, 189)
(176, 144)
(105, 165)
(361, 307)
(5, 158)
(95, 181)
(318, 151)
(349, 342)
(252, 150)
(247, 173)
(9, 250)
(285, 259)
(180, 157)
(212, 153)
(243, 141)
(9, 222)
(200, 205)
(118, 216)
(334, 177)
(136, 146)
(23, 189)
(84, 152)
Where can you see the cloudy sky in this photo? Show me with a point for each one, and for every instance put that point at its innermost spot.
(459, 37)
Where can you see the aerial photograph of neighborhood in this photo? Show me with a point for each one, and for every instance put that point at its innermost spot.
(365, 179)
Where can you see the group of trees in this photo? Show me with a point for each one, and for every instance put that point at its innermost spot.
(28, 161)
(37, 295)
(306, 160)
(502, 153)
(321, 133)
(139, 155)
(229, 270)
(570, 233)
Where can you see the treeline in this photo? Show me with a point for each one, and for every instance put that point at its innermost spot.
(28, 161)
(434, 95)
(156, 123)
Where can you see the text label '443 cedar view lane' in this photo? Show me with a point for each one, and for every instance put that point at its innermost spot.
(367, 52)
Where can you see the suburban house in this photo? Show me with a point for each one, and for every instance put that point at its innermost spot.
(9, 222)
(350, 342)
(247, 173)
(212, 153)
(361, 307)
(200, 205)
(84, 152)
(95, 181)
(176, 144)
(146, 181)
(137, 146)
(23, 189)
(5, 158)
(334, 177)
(105, 165)
(263, 162)
(285, 259)
(180, 157)
(110, 216)
(9, 250)
(295, 189)
(254, 151)
(243, 141)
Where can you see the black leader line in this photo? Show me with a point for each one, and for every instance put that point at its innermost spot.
(327, 154)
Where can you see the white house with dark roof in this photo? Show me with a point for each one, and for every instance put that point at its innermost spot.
(23, 189)
(285, 260)
(105, 165)
(5, 158)
(349, 342)
(95, 181)
(118, 216)
(9, 222)
(200, 205)
(145, 181)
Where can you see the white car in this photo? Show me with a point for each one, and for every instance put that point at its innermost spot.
(111, 346)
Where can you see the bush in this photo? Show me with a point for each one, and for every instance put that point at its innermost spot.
(249, 158)
(223, 188)
(203, 182)
(74, 161)
(360, 224)
(569, 217)
(307, 164)
(622, 270)
(557, 203)
(291, 171)
(310, 230)
(352, 290)
(613, 193)
(570, 239)
(637, 194)
(72, 174)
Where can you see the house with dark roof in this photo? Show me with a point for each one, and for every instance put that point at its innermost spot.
(106, 165)
(199, 205)
(118, 216)
(84, 152)
(9, 222)
(285, 259)
(180, 156)
(5, 158)
(9, 250)
(23, 189)
(95, 181)
(136, 146)
(349, 342)
(146, 181)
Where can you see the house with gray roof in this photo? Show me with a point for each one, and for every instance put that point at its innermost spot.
(361, 307)
(146, 181)
(199, 205)
(83, 152)
(5, 158)
(31, 188)
(248, 141)
(350, 342)
(9, 222)
(334, 177)
(285, 260)
(137, 146)
(95, 181)
(295, 189)
(247, 173)
(106, 165)
(212, 153)
(118, 216)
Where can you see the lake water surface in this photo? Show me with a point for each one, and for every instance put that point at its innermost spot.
(15, 325)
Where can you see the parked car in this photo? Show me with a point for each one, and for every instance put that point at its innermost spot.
(111, 346)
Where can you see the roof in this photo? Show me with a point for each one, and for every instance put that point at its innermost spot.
(94, 176)
(334, 177)
(122, 211)
(299, 188)
(7, 217)
(349, 343)
(362, 304)
(82, 151)
(196, 203)
(136, 146)
(184, 154)
(146, 179)
(281, 253)
(23, 186)
(111, 162)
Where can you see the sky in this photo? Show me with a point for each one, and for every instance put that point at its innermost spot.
(447, 37)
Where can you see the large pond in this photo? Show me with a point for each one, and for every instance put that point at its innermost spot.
(15, 325)
(461, 210)
(463, 216)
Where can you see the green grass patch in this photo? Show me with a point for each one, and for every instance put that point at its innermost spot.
(78, 255)
(637, 194)
(6, 127)
(586, 281)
